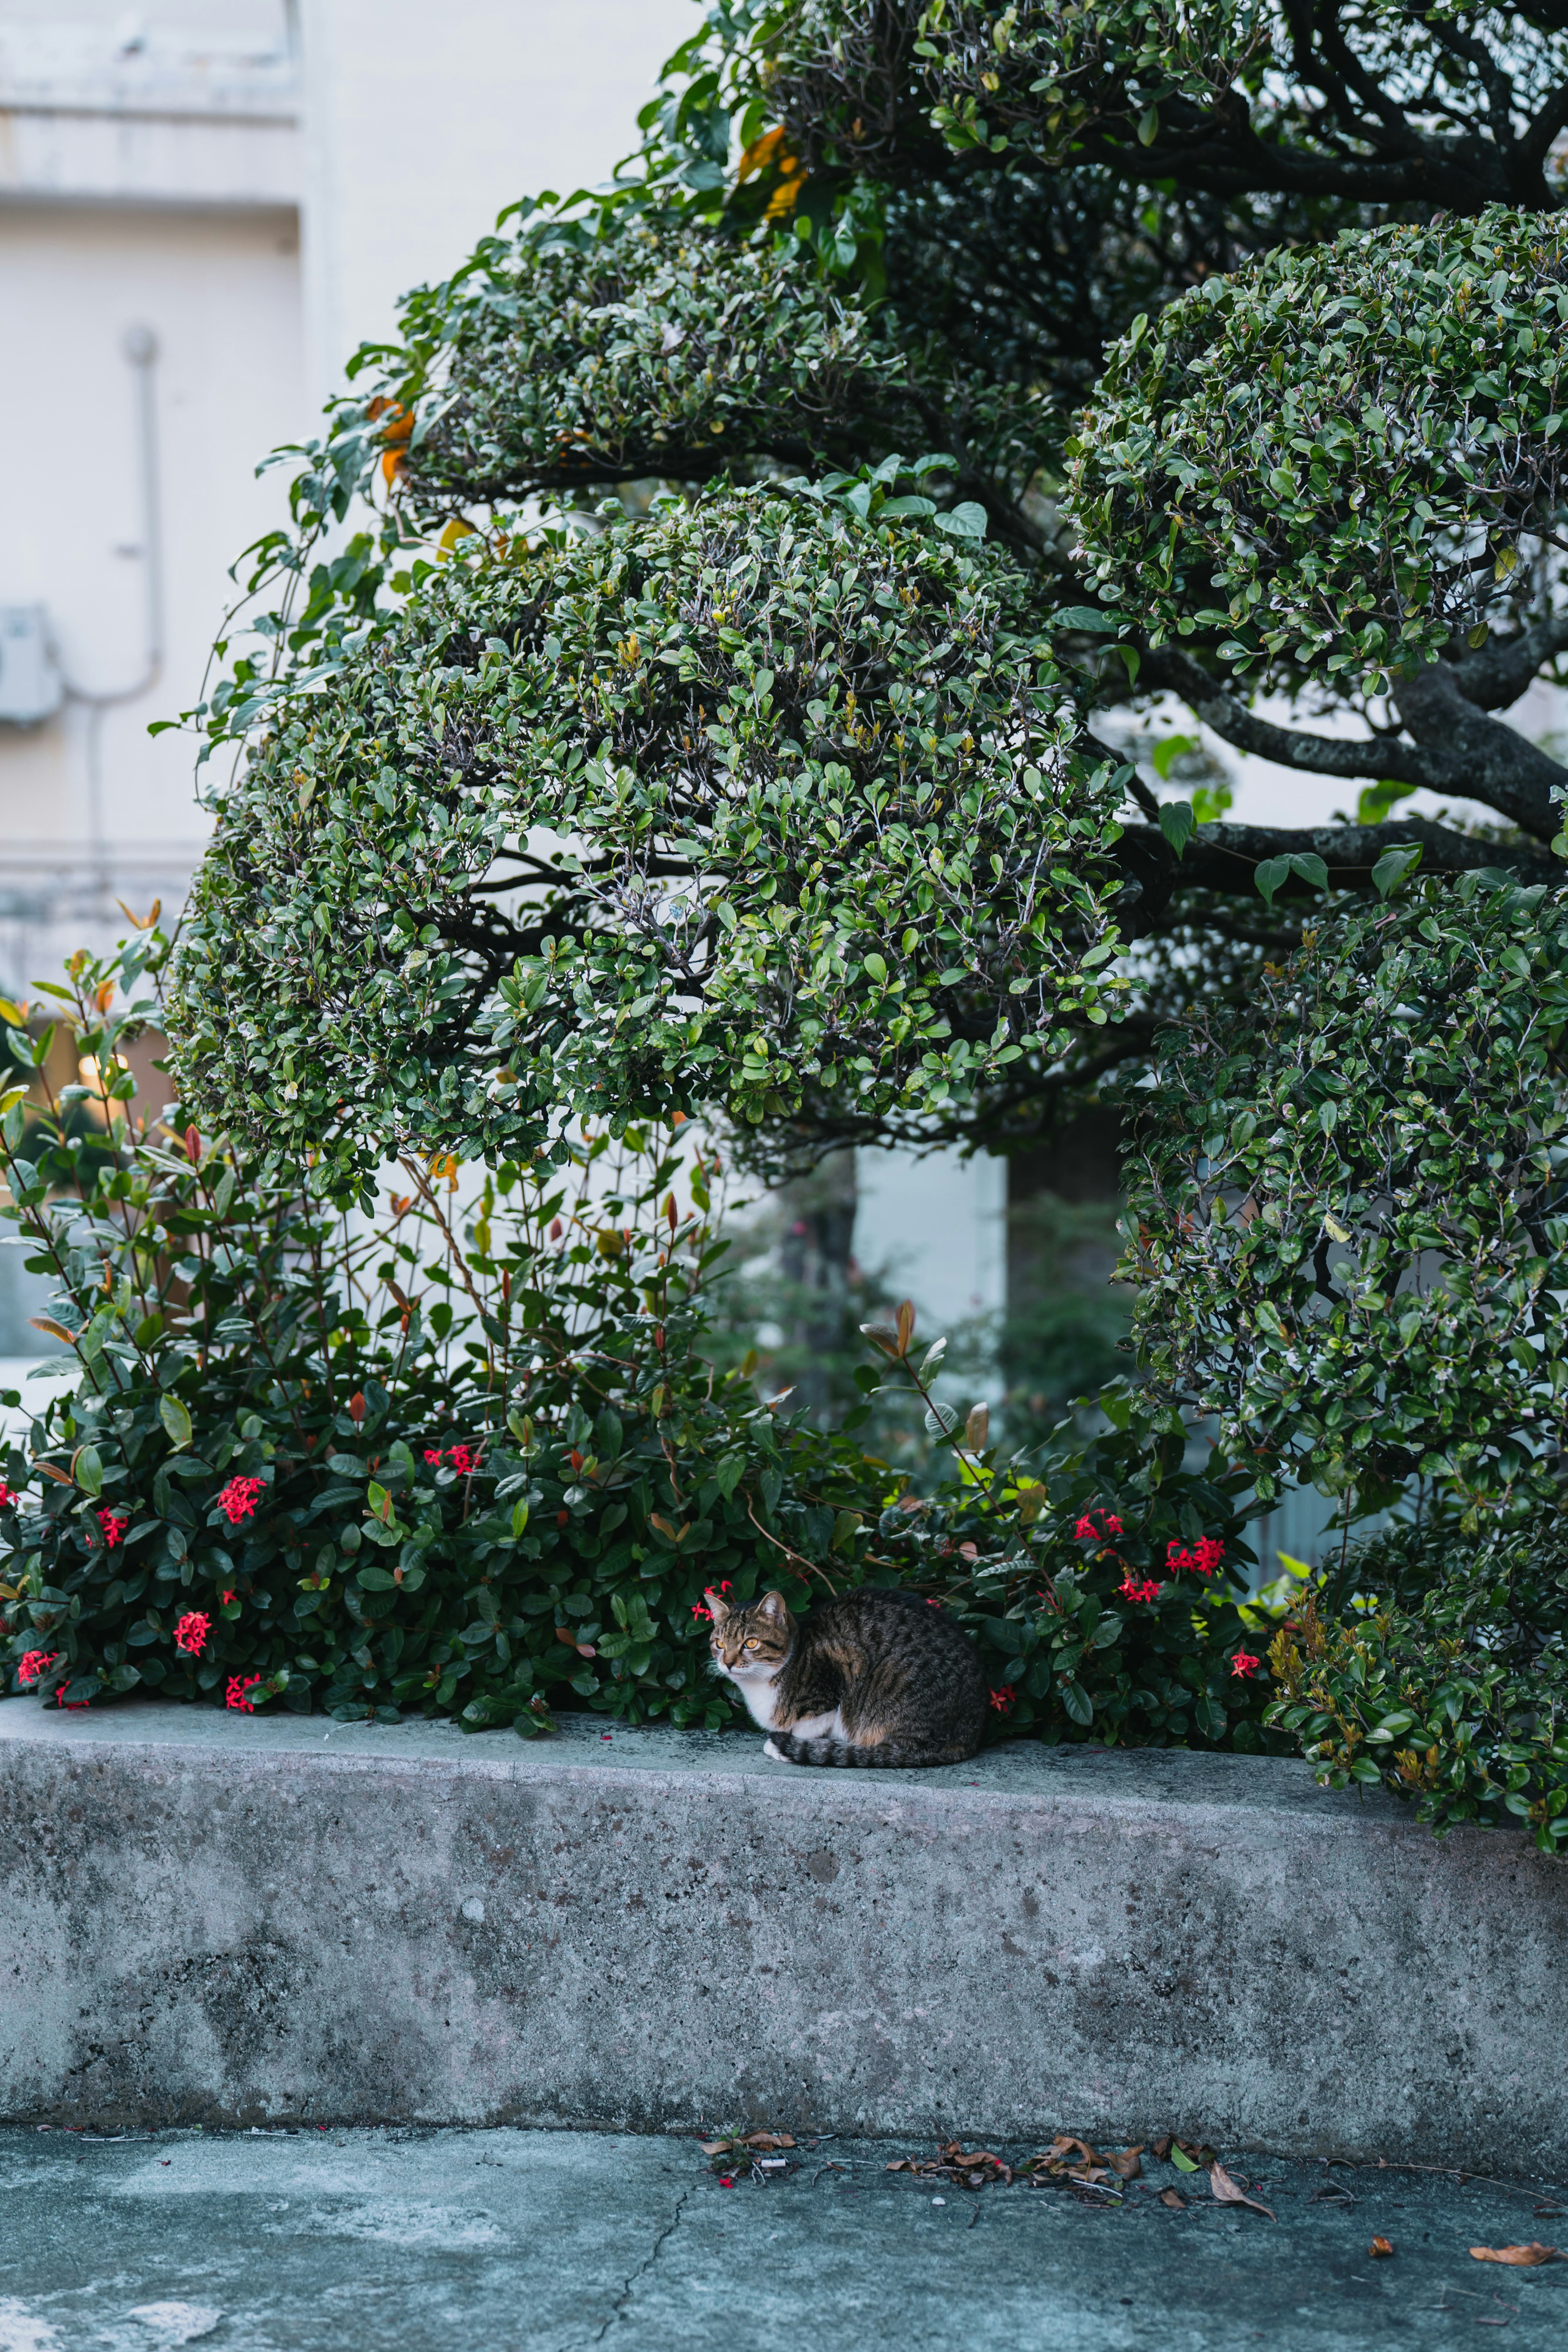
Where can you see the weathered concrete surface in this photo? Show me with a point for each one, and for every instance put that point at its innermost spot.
(224, 1920)
(554, 2242)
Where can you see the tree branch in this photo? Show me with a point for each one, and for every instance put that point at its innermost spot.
(1500, 673)
(1225, 858)
(1480, 756)
(1458, 748)
(1288, 747)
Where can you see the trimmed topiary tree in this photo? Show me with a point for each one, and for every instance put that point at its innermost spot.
(1119, 272)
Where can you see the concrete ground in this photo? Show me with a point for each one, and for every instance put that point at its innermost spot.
(386, 2241)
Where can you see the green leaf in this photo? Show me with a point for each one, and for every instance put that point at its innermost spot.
(1177, 824)
(1393, 866)
(1269, 875)
(176, 1421)
(1077, 1701)
(1086, 616)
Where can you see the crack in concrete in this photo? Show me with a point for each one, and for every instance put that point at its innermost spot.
(618, 2309)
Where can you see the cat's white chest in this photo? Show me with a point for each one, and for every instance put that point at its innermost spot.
(757, 1686)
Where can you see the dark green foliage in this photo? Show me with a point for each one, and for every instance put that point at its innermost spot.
(764, 797)
(1332, 460)
(564, 362)
(470, 1456)
(1447, 1682)
(1348, 1212)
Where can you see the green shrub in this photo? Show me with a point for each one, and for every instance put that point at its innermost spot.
(743, 804)
(1434, 1665)
(469, 1457)
(1346, 1214)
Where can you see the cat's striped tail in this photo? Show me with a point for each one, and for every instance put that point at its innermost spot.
(889, 1755)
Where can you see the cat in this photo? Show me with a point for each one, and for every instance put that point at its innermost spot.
(876, 1676)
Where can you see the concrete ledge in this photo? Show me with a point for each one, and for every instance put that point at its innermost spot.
(210, 1919)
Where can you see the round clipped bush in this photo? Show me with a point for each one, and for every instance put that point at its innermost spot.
(1348, 1217)
(868, 78)
(653, 349)
(1335, 457)
(751, 797)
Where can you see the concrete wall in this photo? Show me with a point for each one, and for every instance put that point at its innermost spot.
(206, 1918)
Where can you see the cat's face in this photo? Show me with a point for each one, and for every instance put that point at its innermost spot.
(752, 1638)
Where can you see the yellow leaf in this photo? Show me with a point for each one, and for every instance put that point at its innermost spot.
(761, 153)
(55, 1330)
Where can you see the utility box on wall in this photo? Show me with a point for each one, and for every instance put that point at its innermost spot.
(31, 688)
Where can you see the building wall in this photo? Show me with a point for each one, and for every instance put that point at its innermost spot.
(163, 171)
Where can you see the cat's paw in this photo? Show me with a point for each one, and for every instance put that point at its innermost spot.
(770, 1748)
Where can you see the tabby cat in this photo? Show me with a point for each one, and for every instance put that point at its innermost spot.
(872, 1677)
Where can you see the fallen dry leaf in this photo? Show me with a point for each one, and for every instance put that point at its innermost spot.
(1228, 2192)
(758, 2139)
(1126, 2165)
(1380, 2246)
(1521, 2257)
(1173, 2197)
(976, 2169)
(1163, 2149)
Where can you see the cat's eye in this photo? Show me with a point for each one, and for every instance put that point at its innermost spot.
(754, 1645)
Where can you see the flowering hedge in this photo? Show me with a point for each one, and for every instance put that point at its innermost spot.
(474, 1460)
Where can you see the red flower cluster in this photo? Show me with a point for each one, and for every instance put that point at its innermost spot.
(460, 1458)
(71, 1705)
(191, 1632)
(1203, 1559)
(1002, 1699)
(1244, 1664)
(236, 1695)
(8, 1495)
(36, 1663)
(1148, 1591)
(113, 1527)
(699, 1611)
(1087, 1532)
(239, 1499)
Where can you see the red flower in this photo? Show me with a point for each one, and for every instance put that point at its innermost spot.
(933, 1604)
(1002, 1699)
(699, 1611)
(1244, 1664)
(727, 2180)
(8, 1495)
(71, 1705)
(1148, 1591)
(36, 1663)
(191, 1632)
(239, 1499)
(236, 1696)
(460, 1458)
(1087, 1532)
(228, 1596)
(1206, 1555)
(433, 1456)
(113, 1527)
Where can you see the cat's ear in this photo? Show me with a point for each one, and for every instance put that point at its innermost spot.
(717, 1610)
(774, 1609)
